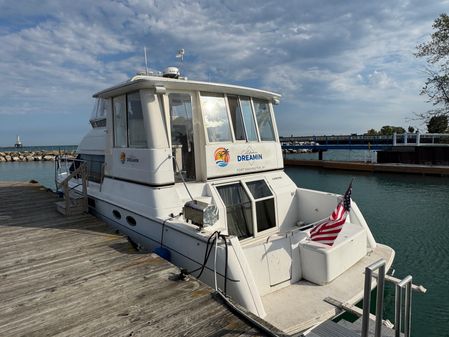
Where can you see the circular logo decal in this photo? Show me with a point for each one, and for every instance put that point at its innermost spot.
(221, 156)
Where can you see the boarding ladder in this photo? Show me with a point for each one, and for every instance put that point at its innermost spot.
(403, 305)
(75, 200)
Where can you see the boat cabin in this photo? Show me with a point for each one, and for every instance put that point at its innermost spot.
(162, 131)
(159, 128)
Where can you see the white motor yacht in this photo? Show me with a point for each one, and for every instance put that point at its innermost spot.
(194, 171)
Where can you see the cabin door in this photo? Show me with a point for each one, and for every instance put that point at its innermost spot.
(182, 136)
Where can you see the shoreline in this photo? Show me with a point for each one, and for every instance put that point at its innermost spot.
(438, 170)
(28, 156)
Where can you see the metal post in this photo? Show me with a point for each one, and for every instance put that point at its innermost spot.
(380, 300)
(394, 138)
(405, 137)
(380, 297)
(366, 302)
(418, 138)
(407, 284)
(408, 308)
(397, 311)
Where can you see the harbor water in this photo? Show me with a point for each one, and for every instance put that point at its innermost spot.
(407, 212)
(410, 214)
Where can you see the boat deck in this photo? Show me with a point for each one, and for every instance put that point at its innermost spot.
(72, 276)
(347, 288)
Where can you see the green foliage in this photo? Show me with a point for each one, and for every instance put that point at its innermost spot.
(386, 130)
(437, 124)
(436, 53)
(371, 132)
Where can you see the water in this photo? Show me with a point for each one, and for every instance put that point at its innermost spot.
(42, 171)
(406, 212)
(343, 155)
(410, 214)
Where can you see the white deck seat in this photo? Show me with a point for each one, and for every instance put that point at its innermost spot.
(322, 263)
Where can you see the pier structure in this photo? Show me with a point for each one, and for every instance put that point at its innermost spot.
(74, 276)
(363, 142)
(407, 148)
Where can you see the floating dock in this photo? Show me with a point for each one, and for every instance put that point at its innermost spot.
(371, 167)
(73, 276)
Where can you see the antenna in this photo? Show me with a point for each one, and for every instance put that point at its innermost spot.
(180, 55)
(146, 62)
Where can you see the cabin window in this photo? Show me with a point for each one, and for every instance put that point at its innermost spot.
(248, 118)
(264, 121)
(182, 136)
(94, 165)
(216, 118)
(264, 201)
(238, 210)
(98, 116)
(129, 129)
(136, 129)
(250, 207)
(120, 123)
(236, 117)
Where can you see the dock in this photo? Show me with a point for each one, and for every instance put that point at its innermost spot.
(438, 170)
(74, 276)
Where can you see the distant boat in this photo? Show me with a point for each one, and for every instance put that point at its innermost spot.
(18, 142)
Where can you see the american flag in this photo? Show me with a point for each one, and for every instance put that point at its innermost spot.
(327, 231)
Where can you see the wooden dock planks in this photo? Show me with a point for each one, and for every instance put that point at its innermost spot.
(73, 276)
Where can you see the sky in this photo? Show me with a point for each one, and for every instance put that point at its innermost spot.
(341, 66)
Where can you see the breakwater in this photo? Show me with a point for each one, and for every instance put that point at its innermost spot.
(24, 156)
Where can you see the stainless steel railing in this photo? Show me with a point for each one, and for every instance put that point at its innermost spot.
(403, 291)
(379, 265)
(403, 300)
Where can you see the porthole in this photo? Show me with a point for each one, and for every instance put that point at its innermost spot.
(131, 221)
(116, 214)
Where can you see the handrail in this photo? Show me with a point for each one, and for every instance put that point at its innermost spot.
(406, 284)
(415, 287)
(379, 265)
(80, 169)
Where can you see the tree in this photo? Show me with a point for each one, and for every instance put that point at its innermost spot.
(436, 52)
(388, 130)
(411, 129)
(437, 124)
(371, 132)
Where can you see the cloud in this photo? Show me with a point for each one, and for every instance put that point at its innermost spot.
(327, 58)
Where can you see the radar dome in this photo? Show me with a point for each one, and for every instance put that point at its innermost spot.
(171, 72)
